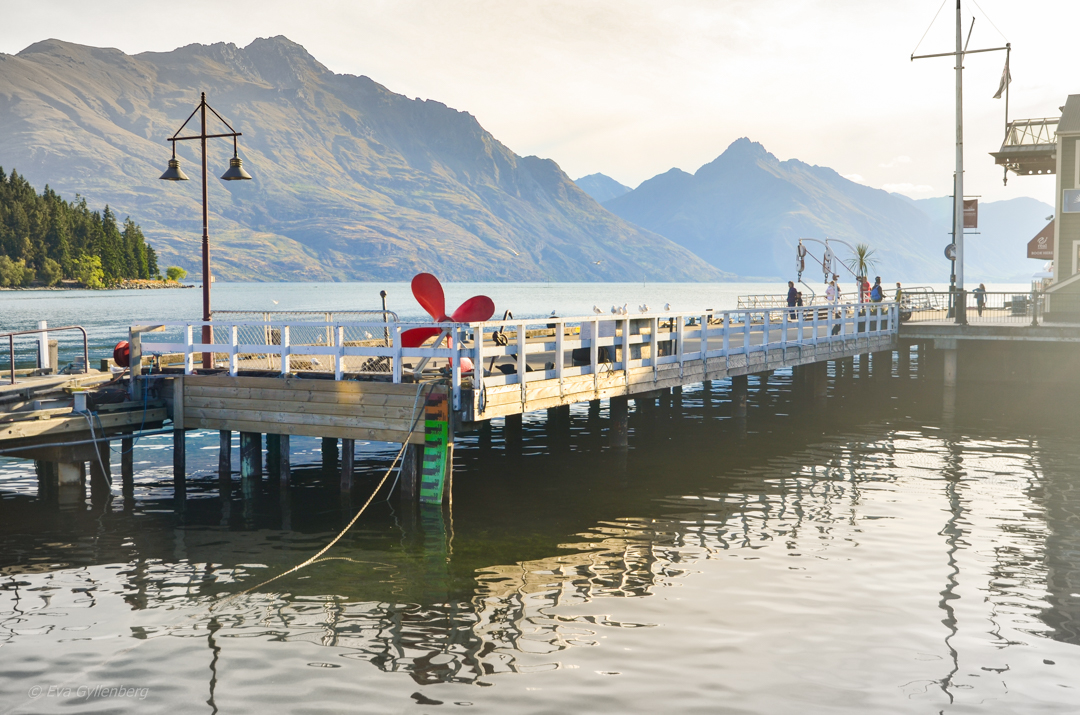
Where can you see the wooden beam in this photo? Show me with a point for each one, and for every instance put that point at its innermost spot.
(76, 424)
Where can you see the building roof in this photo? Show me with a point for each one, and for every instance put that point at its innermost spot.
(1070, 116)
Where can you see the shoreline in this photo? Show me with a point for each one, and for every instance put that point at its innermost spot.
(139, 284)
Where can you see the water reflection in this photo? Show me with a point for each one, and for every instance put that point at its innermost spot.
(922, 554)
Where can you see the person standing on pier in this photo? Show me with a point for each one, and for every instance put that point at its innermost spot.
(864, 289)
(877, 293)
(792, 296)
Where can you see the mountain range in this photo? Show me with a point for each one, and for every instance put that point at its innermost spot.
(745, 212)
(352, 181)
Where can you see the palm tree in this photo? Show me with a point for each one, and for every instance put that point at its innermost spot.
(863, 261)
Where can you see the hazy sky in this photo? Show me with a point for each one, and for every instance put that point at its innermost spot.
(632, 88)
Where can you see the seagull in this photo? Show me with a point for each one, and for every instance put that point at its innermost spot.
(273, 301)
(553, 315)
(667, 306)
(314, 361)
(597, 310)
(614, 310)
(623, 310)
(643, 308)
(514, 252)
(597, 263)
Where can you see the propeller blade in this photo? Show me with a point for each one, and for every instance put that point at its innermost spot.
(429, 294)
(418, 336)
(475, 310)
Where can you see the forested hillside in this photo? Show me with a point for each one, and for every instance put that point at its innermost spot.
(45, 239)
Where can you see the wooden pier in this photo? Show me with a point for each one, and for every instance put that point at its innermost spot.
(341, 386)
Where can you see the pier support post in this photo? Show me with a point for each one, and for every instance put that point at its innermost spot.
(250, 455)
(283, 461)
(179, 464)
(619, 421)
(903, 355)
(348, 455)
(127, 467)
(329, 454)
(512, 434)
(224, 462)
(46, 474)
(410, 476)
(100, 472)
(594, 410)
(950, 367)
(738, 395)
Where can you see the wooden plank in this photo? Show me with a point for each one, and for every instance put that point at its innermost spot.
(300, 430)
(61, 426)
(252, 393)
(271, 419)
(312, 408)
(348, 387)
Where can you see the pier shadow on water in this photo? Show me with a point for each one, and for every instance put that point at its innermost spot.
(892, 549)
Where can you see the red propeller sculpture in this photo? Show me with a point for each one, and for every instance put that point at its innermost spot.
(429, 294)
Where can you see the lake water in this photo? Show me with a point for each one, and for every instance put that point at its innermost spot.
(888, 553)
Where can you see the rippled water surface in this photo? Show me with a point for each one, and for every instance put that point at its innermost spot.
(886, 553)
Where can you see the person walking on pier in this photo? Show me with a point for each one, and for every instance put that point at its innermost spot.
(980, 298)
(792, 296)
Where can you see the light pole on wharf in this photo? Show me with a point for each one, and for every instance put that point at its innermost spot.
(235, 172)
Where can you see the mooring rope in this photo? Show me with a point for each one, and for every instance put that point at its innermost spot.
(352, 522)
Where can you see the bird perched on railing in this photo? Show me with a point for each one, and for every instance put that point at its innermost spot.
(643, 308)
(667, 306)
(597, 310)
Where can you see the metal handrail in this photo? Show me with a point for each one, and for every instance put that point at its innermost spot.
(38, 331)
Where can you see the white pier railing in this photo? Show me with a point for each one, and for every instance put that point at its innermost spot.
(513, 352)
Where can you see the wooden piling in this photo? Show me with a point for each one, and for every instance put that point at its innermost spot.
(619, 414)
(250, 455)
(348, 455)
(179, 464)
(512, 433)
(127, 466)
(224, 463)
(284, 461)
(330, 454)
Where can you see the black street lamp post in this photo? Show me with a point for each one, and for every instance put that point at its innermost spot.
(234, 173)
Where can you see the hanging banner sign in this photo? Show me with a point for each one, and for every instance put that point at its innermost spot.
(1042, 246)
(971, 213)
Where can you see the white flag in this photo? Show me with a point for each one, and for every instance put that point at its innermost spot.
(1006, 77)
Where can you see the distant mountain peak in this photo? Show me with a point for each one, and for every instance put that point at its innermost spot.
(741, 152)
(601, 187)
